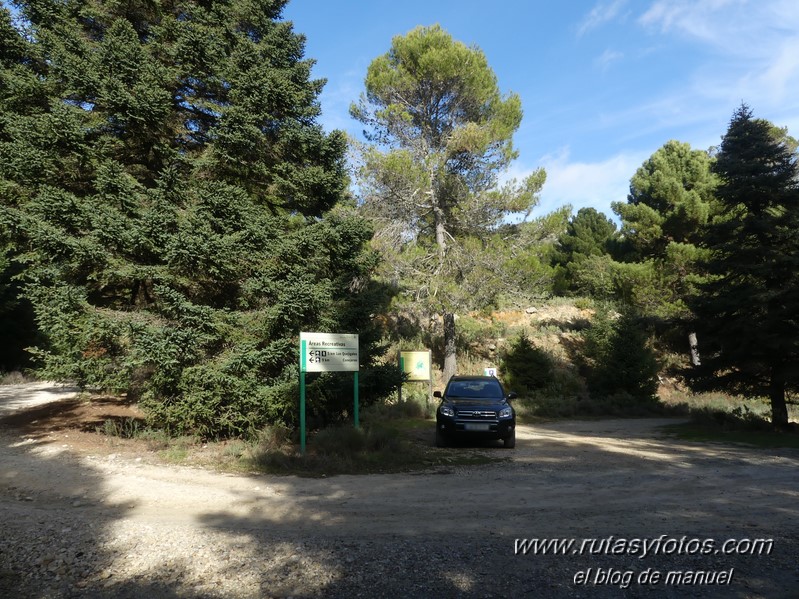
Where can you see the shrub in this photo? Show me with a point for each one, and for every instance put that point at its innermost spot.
(382, 439)
(738, 418)
(526, 367)
(339, 441)
(15, 377)
(274, 436)
(618, 359)
(412, 407)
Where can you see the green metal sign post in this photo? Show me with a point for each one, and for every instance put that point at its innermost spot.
(303, 352)
(327, 352)
(355, 407)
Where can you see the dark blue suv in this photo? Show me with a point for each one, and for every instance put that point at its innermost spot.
(475, 406)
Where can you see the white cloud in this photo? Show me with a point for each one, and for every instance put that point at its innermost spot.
(602, 13)
(607, 57)
(336, 97)
(779, 77)
(754, 52)
(741, 28)
(585, 184)
(711, 21)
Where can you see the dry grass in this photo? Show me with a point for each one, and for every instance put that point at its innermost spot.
(15, 377)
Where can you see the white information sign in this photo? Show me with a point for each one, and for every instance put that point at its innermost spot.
(328, 352)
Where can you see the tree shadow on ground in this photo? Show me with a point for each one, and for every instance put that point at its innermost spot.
(56, 523)
(419, 534)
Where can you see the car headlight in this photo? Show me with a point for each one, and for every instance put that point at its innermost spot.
(506, 413)
(446, 411)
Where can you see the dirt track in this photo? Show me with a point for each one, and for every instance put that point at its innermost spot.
(136, 529)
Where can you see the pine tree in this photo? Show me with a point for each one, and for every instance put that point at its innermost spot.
(588, 241)
(178, 207)
(525, 367)
(671, 199)
(747, 310)
(440, 133)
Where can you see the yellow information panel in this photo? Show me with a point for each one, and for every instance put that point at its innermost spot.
(416, 364)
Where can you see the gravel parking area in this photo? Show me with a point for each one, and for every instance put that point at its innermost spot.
(111, 525)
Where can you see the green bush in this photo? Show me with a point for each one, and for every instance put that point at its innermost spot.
(526, 367)
(618, 360)
(473, 331)
(550, 406)
(275, 436)
(382, 439)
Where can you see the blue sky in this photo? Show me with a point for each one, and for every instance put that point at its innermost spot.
(603, 83)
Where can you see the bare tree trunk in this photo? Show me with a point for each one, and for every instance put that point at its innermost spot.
(692, 341)
(450, 360)
(439, 219)
(441, 240)
(779, 411)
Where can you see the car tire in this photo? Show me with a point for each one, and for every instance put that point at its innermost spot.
(441, 440)
(510, 442)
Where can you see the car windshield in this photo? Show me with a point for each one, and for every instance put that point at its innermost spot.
(475, 389)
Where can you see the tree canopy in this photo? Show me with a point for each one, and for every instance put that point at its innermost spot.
(746, 310)
(588, 241)
(172, 215)
(670, 199)
(441, 134)
(178, 211)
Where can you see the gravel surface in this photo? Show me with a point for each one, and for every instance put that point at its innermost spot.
(107, 525)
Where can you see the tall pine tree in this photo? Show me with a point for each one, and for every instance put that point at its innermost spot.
(441, 135)
(178, 208)
(747, 310)
(671, 200)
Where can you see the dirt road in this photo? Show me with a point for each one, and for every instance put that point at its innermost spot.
(107, 525)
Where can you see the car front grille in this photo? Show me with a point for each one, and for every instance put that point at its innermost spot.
(477, 414)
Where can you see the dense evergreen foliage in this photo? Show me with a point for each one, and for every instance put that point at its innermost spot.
(525, 367)
(650, 264)
(619, 361)
(670, 199)
(583, 253)
(178, 210)
(17, 326)
(747, 309)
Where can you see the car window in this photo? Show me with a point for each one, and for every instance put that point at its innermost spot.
(475, 389)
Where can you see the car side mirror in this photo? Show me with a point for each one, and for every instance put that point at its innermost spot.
(512, 395)
(437, 394)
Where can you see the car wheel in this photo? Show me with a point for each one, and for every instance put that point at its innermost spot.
(510, 442)
(441, 441)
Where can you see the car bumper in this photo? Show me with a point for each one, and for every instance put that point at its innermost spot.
(495, 429)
